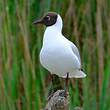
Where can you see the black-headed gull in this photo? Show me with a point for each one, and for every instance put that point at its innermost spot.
(58, 55)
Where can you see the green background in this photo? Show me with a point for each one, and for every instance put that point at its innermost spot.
(24, 84)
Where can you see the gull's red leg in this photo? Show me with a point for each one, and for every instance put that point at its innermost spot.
(67, 81)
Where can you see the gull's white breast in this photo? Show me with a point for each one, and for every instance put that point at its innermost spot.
(56, 54)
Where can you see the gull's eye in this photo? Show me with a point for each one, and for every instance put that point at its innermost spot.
(47, 18)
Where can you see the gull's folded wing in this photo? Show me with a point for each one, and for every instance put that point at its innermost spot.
(75, 50)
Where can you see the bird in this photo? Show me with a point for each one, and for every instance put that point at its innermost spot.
(58, 55)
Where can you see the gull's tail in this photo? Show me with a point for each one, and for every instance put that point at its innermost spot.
(76, 74)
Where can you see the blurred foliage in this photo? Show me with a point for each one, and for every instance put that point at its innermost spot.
(24, 84)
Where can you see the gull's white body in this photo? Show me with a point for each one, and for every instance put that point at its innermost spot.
(58, 55)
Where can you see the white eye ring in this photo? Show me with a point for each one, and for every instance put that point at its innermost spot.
(48, 17)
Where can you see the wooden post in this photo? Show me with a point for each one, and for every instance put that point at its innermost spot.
(58, 101)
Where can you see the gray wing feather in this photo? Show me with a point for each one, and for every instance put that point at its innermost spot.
(75, 50)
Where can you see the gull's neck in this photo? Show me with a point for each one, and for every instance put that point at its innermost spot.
(53, 32)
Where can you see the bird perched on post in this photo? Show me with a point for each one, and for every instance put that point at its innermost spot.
(59, 55)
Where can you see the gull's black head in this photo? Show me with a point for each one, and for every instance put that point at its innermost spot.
(49, 19)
